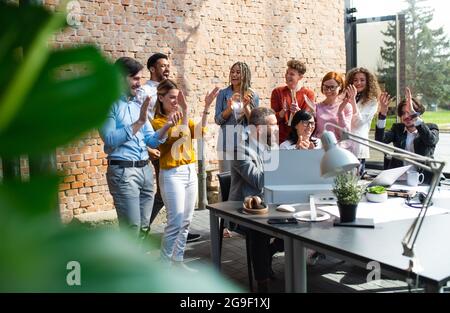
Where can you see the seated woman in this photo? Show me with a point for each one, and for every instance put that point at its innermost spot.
(300, 136)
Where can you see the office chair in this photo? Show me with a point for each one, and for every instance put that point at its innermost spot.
(225, 184)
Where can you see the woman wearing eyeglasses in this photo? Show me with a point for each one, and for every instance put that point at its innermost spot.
(364, 108)
(333, 109)
(302, 129)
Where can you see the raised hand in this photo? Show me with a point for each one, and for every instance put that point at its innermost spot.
(143, 114)
(303, 143)
(210, 96)
(310, 104)
(294, 107)
(229, 104)
(182, 101)
(174, 118)
(351, 94)
(247, 99)
(383, 102)
(409, 107)
(344, 102)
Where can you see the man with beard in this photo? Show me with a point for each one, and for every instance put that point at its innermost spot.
(411, 134)
(126, 133)
(247, 179)
(159, 68)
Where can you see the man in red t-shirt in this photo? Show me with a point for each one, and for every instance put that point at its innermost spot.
(287, 100)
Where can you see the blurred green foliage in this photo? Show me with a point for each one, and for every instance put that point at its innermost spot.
(47, 99)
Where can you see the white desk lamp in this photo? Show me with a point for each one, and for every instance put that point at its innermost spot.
(337, 159)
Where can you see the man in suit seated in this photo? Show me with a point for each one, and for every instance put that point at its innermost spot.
(247, 179)
(412, 134)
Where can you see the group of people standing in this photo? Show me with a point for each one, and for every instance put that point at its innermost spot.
(151, 123)
(350, 102)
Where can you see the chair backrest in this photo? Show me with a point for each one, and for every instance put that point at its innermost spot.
(225, 184)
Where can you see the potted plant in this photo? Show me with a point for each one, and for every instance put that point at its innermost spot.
(348, 193)
(376, 194)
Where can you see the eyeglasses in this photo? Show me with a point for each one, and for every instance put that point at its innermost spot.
(307, 123)
(330, 87)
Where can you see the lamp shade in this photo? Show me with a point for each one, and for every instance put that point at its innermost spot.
(335, 159)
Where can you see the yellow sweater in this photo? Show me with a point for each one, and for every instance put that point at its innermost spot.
(178, 148)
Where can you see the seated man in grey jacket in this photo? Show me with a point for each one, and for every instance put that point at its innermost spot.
(247, 179)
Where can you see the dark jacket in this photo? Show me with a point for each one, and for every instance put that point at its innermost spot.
(424, 144)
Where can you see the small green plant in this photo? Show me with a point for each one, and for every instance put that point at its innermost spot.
(376, 189)
(347, 189)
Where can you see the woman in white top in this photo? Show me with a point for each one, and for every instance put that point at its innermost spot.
(367, 90)
(302, 128)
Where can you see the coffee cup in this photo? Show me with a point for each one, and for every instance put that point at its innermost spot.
(414, 178)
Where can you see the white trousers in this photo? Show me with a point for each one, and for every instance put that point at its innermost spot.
(179, 193)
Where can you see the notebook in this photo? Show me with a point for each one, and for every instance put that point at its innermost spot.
(388, 177)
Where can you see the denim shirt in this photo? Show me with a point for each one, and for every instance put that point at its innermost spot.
(117, 132)
(221, 105)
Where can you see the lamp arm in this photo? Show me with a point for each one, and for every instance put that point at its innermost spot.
(434, 166)
(390, 149)
(410, 238)
(400, 156)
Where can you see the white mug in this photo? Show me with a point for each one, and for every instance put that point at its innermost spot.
(414, 178)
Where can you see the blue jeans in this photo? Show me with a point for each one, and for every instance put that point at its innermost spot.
(133, 194)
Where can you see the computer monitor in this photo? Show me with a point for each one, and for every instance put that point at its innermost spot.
(296, 176)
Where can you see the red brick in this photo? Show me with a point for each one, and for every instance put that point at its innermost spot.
(82, 164)
(85, 203)
(76, 185)
(62, 158)
(96, 162)
(82, 177)
(90, 183)
(68, 165)
(79, 198)
(85, 190)
(77, 171)
(85, 149)
(91, 169)
(69, 179)
(71, 192)
(75, 158)
(64, 187)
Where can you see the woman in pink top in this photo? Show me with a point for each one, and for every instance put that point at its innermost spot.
(333, 109)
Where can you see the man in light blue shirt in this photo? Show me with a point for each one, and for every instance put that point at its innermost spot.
(126, 135)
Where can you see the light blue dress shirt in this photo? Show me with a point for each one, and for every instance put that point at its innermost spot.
(117, 132)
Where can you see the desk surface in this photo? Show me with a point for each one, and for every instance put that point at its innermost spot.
(381, 244)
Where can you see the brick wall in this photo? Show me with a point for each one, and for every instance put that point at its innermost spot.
(203, 39)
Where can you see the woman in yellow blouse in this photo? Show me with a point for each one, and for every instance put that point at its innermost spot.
(177, 176)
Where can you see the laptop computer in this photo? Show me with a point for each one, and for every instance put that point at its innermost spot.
(388, 177)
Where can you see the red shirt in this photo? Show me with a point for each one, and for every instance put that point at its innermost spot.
(283, 94)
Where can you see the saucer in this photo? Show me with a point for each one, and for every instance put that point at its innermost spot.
(305, 216)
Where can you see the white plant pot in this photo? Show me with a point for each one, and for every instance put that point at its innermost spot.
(376, 197)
